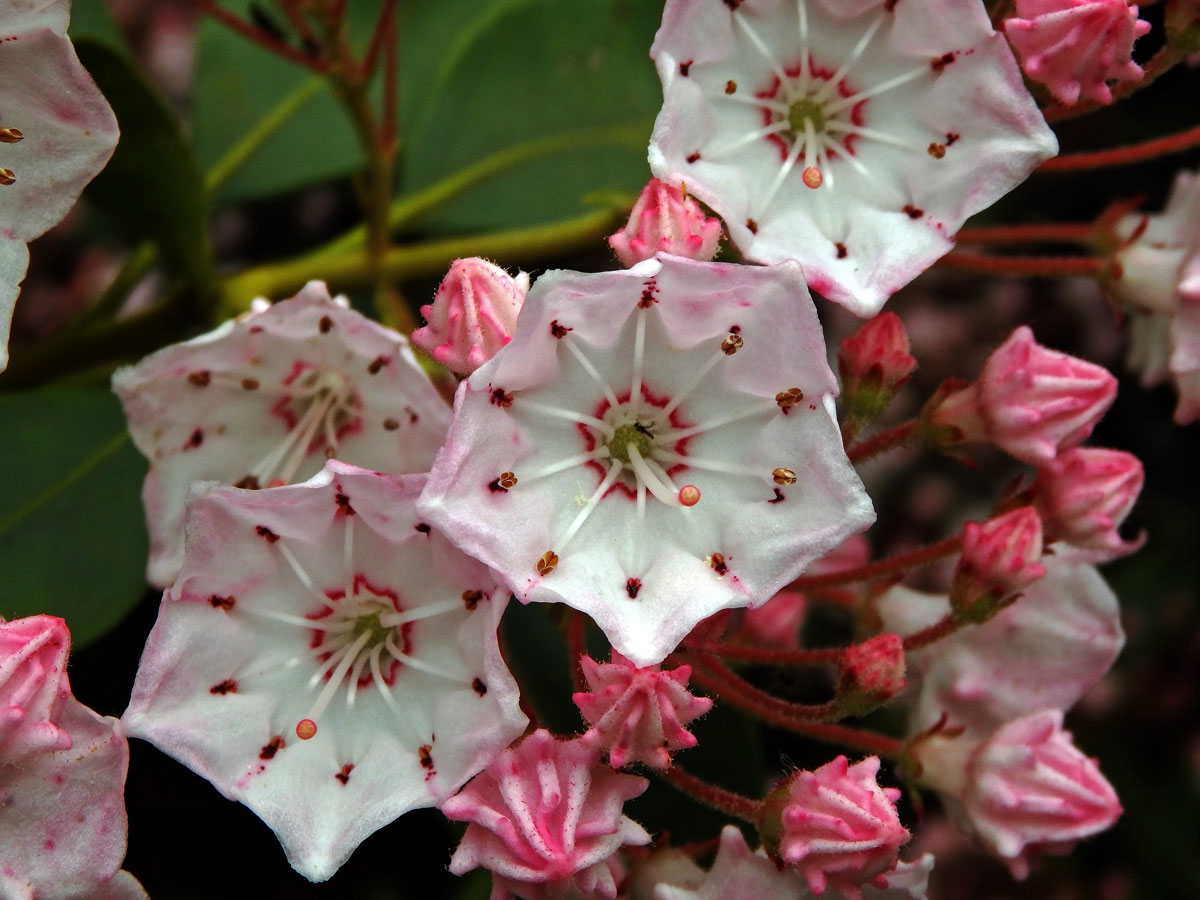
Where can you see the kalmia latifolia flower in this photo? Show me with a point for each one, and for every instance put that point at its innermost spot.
(546, 820)
(836, 826)
(1075, 47)
(655, 445)
(62, 776)
(854, 138)
(739, 873)
(1023, 791)
(1084, 495)
(473, 314)
(1030, 401)
(56, 133)
(638, 714)
(327, 658)
(663, 219)
(1000, 557)
(265, 399)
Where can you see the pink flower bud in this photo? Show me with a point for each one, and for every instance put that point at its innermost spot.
(871, 674)
(1085, 494)
(836, 825)
(473, 314)
(33, 685)
(1029, 789)
(1075, 47)
(999, 558)
(874, 363)
(664, 220)
(546, 820)
(638, 715)
(1031, 402)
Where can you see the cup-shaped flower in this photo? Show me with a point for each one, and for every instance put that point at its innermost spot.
(327, 658)
(1084, 495)
(871, 673)
(56, 133)
(874, 363)
(739, 873)
(1075, 47)
(1024, 790)
(1030, 401)
(663, 219)
(638, 714)
(655, 445)
(265, 399)
(1042, 652)
(546, 819)
(854, 138)
(62, 777)
(1000, 557)
(836, 826)
(473, 314)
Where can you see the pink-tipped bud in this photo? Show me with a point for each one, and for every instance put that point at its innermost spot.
(663, 219)
(1085, 494)
(812, 177)
(1075, 47)
(874, 363)
(871, 674)
(1000, 558)
(33, 686)
(1030, 401)
(835, 825)
(638, 715)
(473, 314)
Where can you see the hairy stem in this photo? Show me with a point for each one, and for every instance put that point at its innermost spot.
(719, 798)
(896, 565)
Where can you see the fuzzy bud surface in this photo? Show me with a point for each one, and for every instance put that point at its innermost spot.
(874, 363)
(871, 674)
(663, 219)
(1000, 557)
(473, 314)
(1085, 494)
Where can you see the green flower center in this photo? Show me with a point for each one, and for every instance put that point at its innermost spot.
(630, 433)
(369, 624)
(805, 110)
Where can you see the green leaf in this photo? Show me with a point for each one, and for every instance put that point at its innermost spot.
(72, 538)
(93, 19)
(528, 69)
(152, 186)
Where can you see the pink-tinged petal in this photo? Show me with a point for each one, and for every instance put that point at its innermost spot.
(918, 116)
(663, 220)
(14, 260)
(33, 15)
(715, 375)
(546, 819)
(264, 399)
(1075, 47)
(327, 658)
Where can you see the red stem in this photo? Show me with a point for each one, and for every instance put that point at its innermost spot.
(1123, 156)
(1044, 266)
(726, 801)
(260, 37)
(1162, 61)
(933, 633)
(383, 27)
(844, 735)
(773, 657)
(720, 680)
(1050, 232)
(390, 79)
(880, 441)
(896, 565)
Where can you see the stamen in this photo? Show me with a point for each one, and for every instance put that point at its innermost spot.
(826, 90)
(714, 465)
(761, 47)
(306, 729)
(570, 415)
(854, 99)
(802, 13)
(7, 177)
(812, 177)
(671, 437)
(562, 465)
(302, 575)
(639, 349)
(348, 656)
(605, 483)
(848, 128)
(339, 627)
(689, 495)
(395, 620)
(774, 106)
(793, 155)
(10, 135)
(698, 377)
(667, 493)
(348, 558)
(751, 136)
(591, 370)
(422, 666)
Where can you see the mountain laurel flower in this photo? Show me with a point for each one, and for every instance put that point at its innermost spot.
(265, 399)
(1000, 557)
(656, 444)
(546, 820)
(327, 658)
(663, 219)
(62, 776)
(1024, 790)
(871, 673)
(1084, 495)
(638, 714)
(874, 363)
(1030, 401)
(836, 826)
(739, 873)
(473, 314)
(1075, 47)
(853, 138)
(56, 133)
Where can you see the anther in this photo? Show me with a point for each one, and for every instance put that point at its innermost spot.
(306, 729)
(790, 397)
(731, 86)
(783, 476)
(10, 135)
(812, 177)
(732, 344)
(507, 480)
(7, 176)
(547, 563)
(689, 495)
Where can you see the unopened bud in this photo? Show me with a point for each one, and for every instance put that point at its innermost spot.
(1000, 558)
(871, 674)
(874, 363)
(664, 219)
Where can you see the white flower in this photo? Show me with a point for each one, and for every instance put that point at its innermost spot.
(56, 133)
(654, 445)
(264, 399)
(854, 137)
(326, 658)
